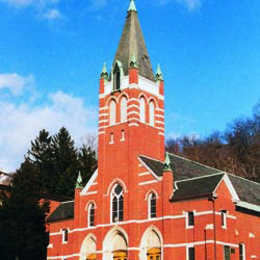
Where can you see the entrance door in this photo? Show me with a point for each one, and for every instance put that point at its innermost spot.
(120, 255)
(154, 254)
(91, 257)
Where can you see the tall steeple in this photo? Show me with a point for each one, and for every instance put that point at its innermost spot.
(132, 44)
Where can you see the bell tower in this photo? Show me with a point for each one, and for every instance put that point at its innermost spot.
(131, 106)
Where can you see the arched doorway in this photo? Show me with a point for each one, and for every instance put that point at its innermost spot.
(151, 244)
(88, 248)
(115, 245)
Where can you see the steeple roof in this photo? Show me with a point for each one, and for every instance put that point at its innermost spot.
(132, 44)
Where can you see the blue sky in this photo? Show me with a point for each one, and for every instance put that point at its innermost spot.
(52, 51)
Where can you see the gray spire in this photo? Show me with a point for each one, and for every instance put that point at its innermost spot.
(132, 43)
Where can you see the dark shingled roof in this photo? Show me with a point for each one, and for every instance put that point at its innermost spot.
(185, 169)
(132, 43)
(198, 187)
(247, 191)
(64, 211)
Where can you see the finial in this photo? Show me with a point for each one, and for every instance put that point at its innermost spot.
(159, 75)
(104, 73)
(132, 6)
(79, 182)
(167, 167)
(133, 62)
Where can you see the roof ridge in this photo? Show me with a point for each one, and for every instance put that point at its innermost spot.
(64, 202)
(206, 166)
(234, 175)
(150, 158)
(201, 177)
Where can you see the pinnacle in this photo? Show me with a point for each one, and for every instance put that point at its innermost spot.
(79, 182)
(159, 74)
(132, 6)
(167, 164)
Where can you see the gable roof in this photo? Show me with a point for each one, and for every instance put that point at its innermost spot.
(198, 187)
(63, 212)
(194, 179)
(131, 45)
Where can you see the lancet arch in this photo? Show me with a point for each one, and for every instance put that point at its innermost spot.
(151, 244)
(88, 248)
(115, 244)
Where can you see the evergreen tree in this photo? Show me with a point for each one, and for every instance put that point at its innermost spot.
(66, 165)
(22, 218)
(87, 162)
(41, 154)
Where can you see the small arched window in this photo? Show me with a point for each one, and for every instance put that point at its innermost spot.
(123, 109)
(91, 215)
(116, 78)
(152, 205)
(117, 203)
(151, 113)
(142, 110)
(112, 112)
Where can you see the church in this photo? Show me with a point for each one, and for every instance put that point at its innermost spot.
(143, 203)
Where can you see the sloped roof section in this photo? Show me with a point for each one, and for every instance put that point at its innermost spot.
(64, 211)
(197, 187)
(247, 191)
(183, 168)
(132, 44)
(194, 179)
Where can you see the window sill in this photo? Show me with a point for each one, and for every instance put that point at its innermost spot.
(189, 227)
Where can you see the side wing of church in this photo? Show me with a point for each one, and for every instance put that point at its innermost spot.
(142, 203)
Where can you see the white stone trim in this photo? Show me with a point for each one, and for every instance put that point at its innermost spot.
(148, 168)
(133, 99)
(160, 116)
(138, 221)
(159, 122)
(160, 133)
(133, 124)
(132, 112)
(101, 132)
(230, 188)
(133, 106)
(90, 182)
(147, 182)
(161, 97)
(91, 192)
(159, 109)
(62, 257)
(144, 173)
(103, 108)
(248, 206)
(103, 114)
(103, 121)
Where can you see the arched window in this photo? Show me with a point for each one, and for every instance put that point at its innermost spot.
(152, 205)
(123, 109)
(91, 215)
(142, 109)
(112, 112)
(117, 203)
(151, 113)
(116, 78)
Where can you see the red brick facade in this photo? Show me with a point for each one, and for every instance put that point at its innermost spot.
(146, 226)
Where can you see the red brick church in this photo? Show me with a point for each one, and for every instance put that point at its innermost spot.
(142, 203)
